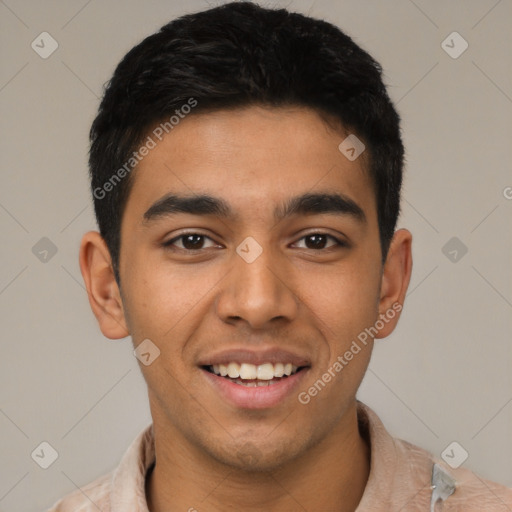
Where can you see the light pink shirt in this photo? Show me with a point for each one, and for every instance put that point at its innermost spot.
(400, 479)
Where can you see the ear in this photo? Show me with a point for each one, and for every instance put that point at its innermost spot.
(102, 288)
(395, 281)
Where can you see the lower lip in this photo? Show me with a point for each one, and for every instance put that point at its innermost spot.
(262, 397)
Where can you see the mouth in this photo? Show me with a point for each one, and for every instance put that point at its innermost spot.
(254, 386)
(250, 375)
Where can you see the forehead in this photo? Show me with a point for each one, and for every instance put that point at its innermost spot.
(254, 158)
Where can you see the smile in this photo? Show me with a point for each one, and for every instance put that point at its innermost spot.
(254, 375)
(250, 386)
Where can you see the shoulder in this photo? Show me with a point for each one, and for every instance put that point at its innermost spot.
(125, 484)
(405, 477)
(471, 493)
(90, 498)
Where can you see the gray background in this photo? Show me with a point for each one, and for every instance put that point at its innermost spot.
(444, 375)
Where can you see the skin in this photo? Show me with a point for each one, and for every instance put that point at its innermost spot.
(314, 301)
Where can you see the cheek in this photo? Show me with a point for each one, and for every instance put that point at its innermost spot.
(346, 297)
(163, 301)
(342, 306)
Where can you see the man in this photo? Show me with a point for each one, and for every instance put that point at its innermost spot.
(246, 166)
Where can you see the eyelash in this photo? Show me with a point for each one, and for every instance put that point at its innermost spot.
(169, 244)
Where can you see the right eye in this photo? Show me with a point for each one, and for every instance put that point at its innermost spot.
(188, 242)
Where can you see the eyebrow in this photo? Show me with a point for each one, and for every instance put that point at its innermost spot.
(305, 204)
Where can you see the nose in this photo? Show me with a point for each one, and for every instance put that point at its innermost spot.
(259, 293)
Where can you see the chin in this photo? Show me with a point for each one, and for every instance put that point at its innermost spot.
(258, 457)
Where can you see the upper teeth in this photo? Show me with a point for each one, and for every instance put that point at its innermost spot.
(266, 371)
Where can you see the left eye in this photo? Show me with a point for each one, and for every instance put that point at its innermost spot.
(319, 241)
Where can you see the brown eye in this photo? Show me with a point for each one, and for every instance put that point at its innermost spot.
(193, 241)
(189, 242)
(318, 241)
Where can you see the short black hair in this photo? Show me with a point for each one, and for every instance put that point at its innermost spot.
(233, 56)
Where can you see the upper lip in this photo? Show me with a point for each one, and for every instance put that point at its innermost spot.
(255, 357)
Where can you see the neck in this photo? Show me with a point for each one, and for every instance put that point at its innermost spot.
(339, 466)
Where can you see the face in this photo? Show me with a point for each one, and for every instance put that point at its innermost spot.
(250, 244)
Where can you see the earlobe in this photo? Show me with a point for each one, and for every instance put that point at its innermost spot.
(102, 288)
(395, 280)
